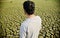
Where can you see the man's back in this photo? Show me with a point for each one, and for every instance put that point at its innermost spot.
(30, 27)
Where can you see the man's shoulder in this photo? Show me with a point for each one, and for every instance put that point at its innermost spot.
(24, 23)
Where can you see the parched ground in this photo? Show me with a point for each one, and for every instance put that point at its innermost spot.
(12, 15)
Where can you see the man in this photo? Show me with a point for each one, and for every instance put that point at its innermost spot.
(31, 26)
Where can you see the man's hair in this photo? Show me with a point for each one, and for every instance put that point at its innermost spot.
(29, 7)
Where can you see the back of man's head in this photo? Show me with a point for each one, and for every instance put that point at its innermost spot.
(29, 7)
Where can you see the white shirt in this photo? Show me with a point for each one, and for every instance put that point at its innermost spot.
(30, 27)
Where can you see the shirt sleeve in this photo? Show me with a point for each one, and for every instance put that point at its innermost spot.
(23, 31)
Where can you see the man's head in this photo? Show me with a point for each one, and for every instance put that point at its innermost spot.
(29, 7)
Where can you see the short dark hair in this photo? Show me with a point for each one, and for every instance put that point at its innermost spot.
(29, 7)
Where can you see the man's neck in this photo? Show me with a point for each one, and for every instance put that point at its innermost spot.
(31, 16)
